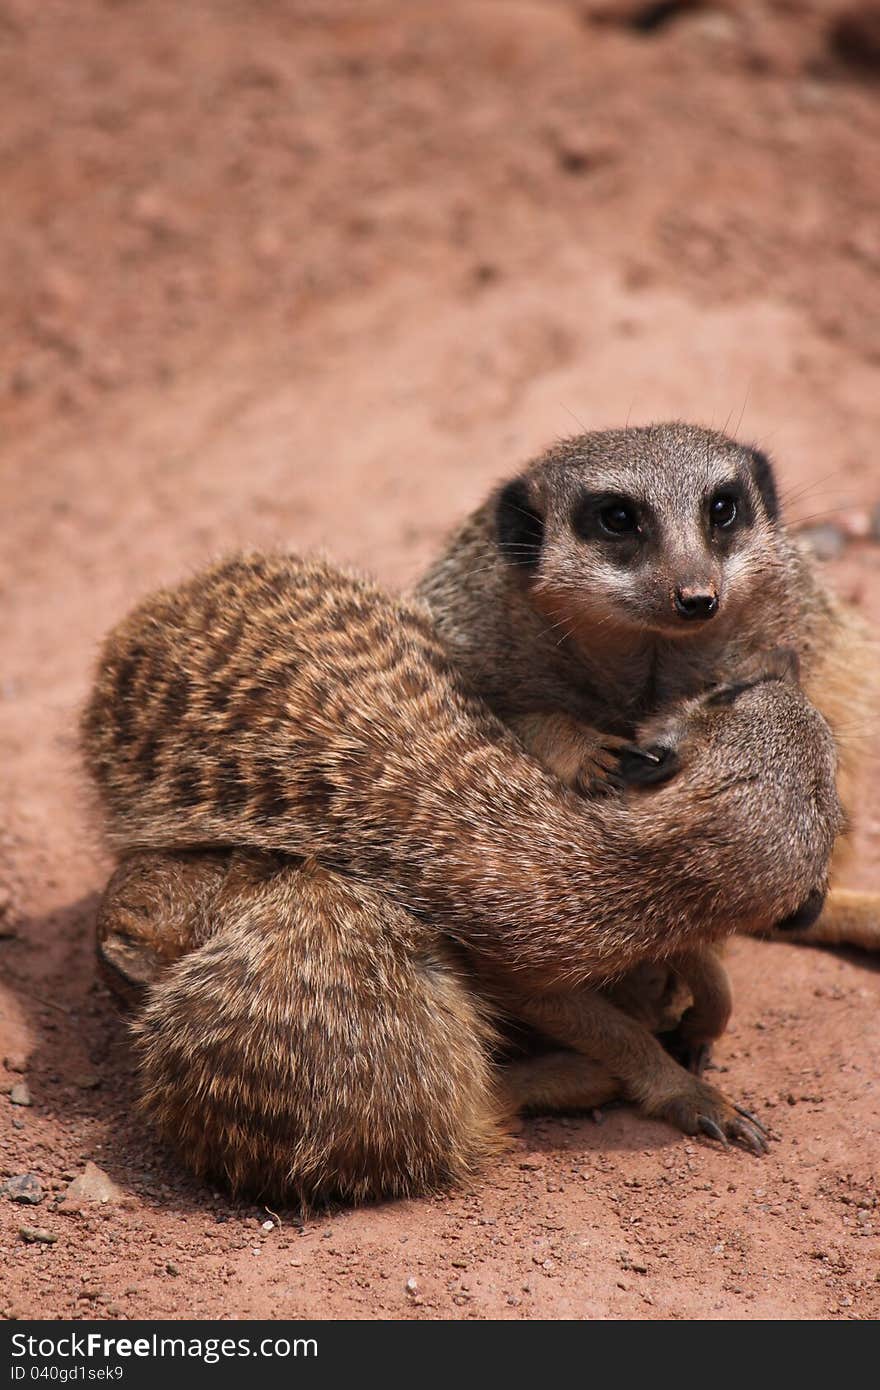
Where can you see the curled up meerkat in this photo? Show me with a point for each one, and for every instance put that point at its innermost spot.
(387, 872)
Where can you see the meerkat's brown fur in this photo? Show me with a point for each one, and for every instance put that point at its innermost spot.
(286, 709)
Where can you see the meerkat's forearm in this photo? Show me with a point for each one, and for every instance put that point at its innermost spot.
(588, 761)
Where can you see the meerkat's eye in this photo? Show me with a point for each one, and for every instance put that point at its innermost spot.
(722, 510)
(618, 518)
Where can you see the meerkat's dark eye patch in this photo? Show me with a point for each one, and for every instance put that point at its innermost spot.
(605, 516)
(519, 528)
(765, 482)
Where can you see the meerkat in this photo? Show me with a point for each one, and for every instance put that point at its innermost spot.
(625, 570)
(388, 869)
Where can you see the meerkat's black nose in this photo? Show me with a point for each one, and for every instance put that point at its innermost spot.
(806, 914)
(695, 604)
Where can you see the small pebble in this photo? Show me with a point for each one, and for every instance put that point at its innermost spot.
(24, 1187)
(826, 540)
(87, 1080)
(37, 1235)
(20, 1095)
(577, 155)
(855, 524)
(92, 1185)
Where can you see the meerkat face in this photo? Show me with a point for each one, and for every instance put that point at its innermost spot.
(670, 529)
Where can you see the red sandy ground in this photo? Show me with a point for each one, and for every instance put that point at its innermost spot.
(317, 274)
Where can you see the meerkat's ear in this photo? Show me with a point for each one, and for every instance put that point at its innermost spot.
(765, 481)
(519, 527)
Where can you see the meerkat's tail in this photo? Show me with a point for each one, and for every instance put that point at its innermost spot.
(320, 1044)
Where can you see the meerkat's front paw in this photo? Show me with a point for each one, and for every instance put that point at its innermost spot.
(590, 761)
(646, 766)
(598, 767)
(701, 1109)
(616, 763)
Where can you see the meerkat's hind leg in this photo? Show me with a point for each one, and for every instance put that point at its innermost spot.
(557, 1081)
(322, 1044)
(155, 908)
(686, 999)
(591, 1023)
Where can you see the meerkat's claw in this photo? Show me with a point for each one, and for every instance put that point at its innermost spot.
(644, 767)
(750, 1137)
(714, 1131)
(749, 1132)
(753, 1120)
(700, 1108)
